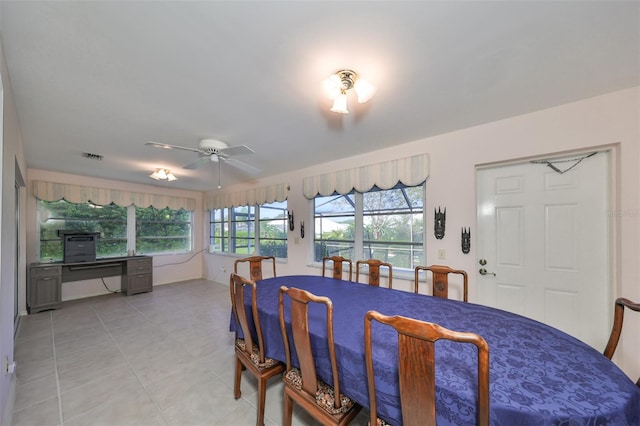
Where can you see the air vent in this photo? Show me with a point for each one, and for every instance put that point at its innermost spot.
(92, 156)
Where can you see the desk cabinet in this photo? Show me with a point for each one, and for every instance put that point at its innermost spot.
(44, 280)
(137, 276)
(44, 290)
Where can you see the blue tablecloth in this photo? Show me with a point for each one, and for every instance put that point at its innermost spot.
(538, 374)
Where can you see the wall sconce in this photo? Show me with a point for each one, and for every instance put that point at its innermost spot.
(163, 174)
(336, 86)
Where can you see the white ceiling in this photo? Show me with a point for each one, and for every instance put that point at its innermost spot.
(106, 77)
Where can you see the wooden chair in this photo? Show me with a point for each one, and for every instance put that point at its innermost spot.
(250, 353)
(618, 318)
(440, 277)
(416, 368)
(374, 271)
(255, 266)
(302, 385)
(337, 266)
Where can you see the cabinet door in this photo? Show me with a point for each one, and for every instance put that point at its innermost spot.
(139, 284)
(45, 292)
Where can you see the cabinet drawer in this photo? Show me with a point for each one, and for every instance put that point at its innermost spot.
(46, 271)
(139, 266)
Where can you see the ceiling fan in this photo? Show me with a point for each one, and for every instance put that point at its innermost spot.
(211, 150)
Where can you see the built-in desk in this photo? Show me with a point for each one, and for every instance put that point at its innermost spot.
(44, 289)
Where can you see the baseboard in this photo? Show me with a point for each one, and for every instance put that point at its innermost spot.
(7, 416)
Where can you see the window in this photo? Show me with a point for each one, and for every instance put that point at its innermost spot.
(334, 226)
(393, 228)
(247, 230)
(109, 221)
(243, 229)
(162, 231)
(219, 230)
(273, 229)
(379, 224)
(158, 231)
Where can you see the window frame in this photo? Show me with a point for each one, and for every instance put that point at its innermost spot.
(359, 242)
(137, 225)
(227, 222)
(129, 237)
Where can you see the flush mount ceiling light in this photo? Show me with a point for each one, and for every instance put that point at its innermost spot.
(163, 174)
(336, 86)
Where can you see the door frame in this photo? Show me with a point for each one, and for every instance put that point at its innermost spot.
(614, 213)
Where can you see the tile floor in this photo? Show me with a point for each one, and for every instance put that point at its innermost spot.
(160, 358)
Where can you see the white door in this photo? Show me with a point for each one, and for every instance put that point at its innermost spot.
(545, 236)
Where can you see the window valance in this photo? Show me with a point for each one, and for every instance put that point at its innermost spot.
(53, 191)
(250, 197)
(409, 171)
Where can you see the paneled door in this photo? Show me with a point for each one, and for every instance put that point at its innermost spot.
(543, 242)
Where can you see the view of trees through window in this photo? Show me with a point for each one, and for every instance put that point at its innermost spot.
(334, 226)
(241, 229)
(390, 226)
(162, 230)
(157, 230)
(110, 221)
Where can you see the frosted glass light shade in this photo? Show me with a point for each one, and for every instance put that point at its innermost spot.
(163, 174)
(332, 86)
(340, 104)
(364, 89)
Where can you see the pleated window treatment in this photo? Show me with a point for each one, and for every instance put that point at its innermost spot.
(53, 191)
(409, 171)
(250, 197)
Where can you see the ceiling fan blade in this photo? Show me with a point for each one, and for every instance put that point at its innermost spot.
(247, 168)
(199, 163)
(167, 146)
(236, 150)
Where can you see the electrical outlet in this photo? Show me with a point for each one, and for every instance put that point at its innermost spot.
(223, 269)
(9, 367)
(442, 254)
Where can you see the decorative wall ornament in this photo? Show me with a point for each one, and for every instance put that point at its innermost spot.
(466, 240)
(439, 222)
(552, 163)
(292, 223)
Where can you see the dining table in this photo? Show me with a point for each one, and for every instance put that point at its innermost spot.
(538, 375)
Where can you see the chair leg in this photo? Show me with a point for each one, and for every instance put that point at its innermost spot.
(262, 393)
(288, 410)
(237, 377)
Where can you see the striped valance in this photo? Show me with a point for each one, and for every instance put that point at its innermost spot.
(53, 191)
(250, 197)
(409, 171)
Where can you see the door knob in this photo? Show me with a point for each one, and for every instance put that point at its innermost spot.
(484, 272)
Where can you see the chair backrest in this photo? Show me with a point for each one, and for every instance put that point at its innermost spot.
(299, 320)
(337, 266)
(255, 266)
(374, 271)
(416, 367)
(440, 278)
(618, 318)
(239, 286)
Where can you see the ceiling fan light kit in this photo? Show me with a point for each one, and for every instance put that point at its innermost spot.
(337, 85)
(213, 151)
(163, 174)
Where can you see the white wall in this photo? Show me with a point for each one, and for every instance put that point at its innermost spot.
(610, 121)
(12, 162)
(166, 268)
